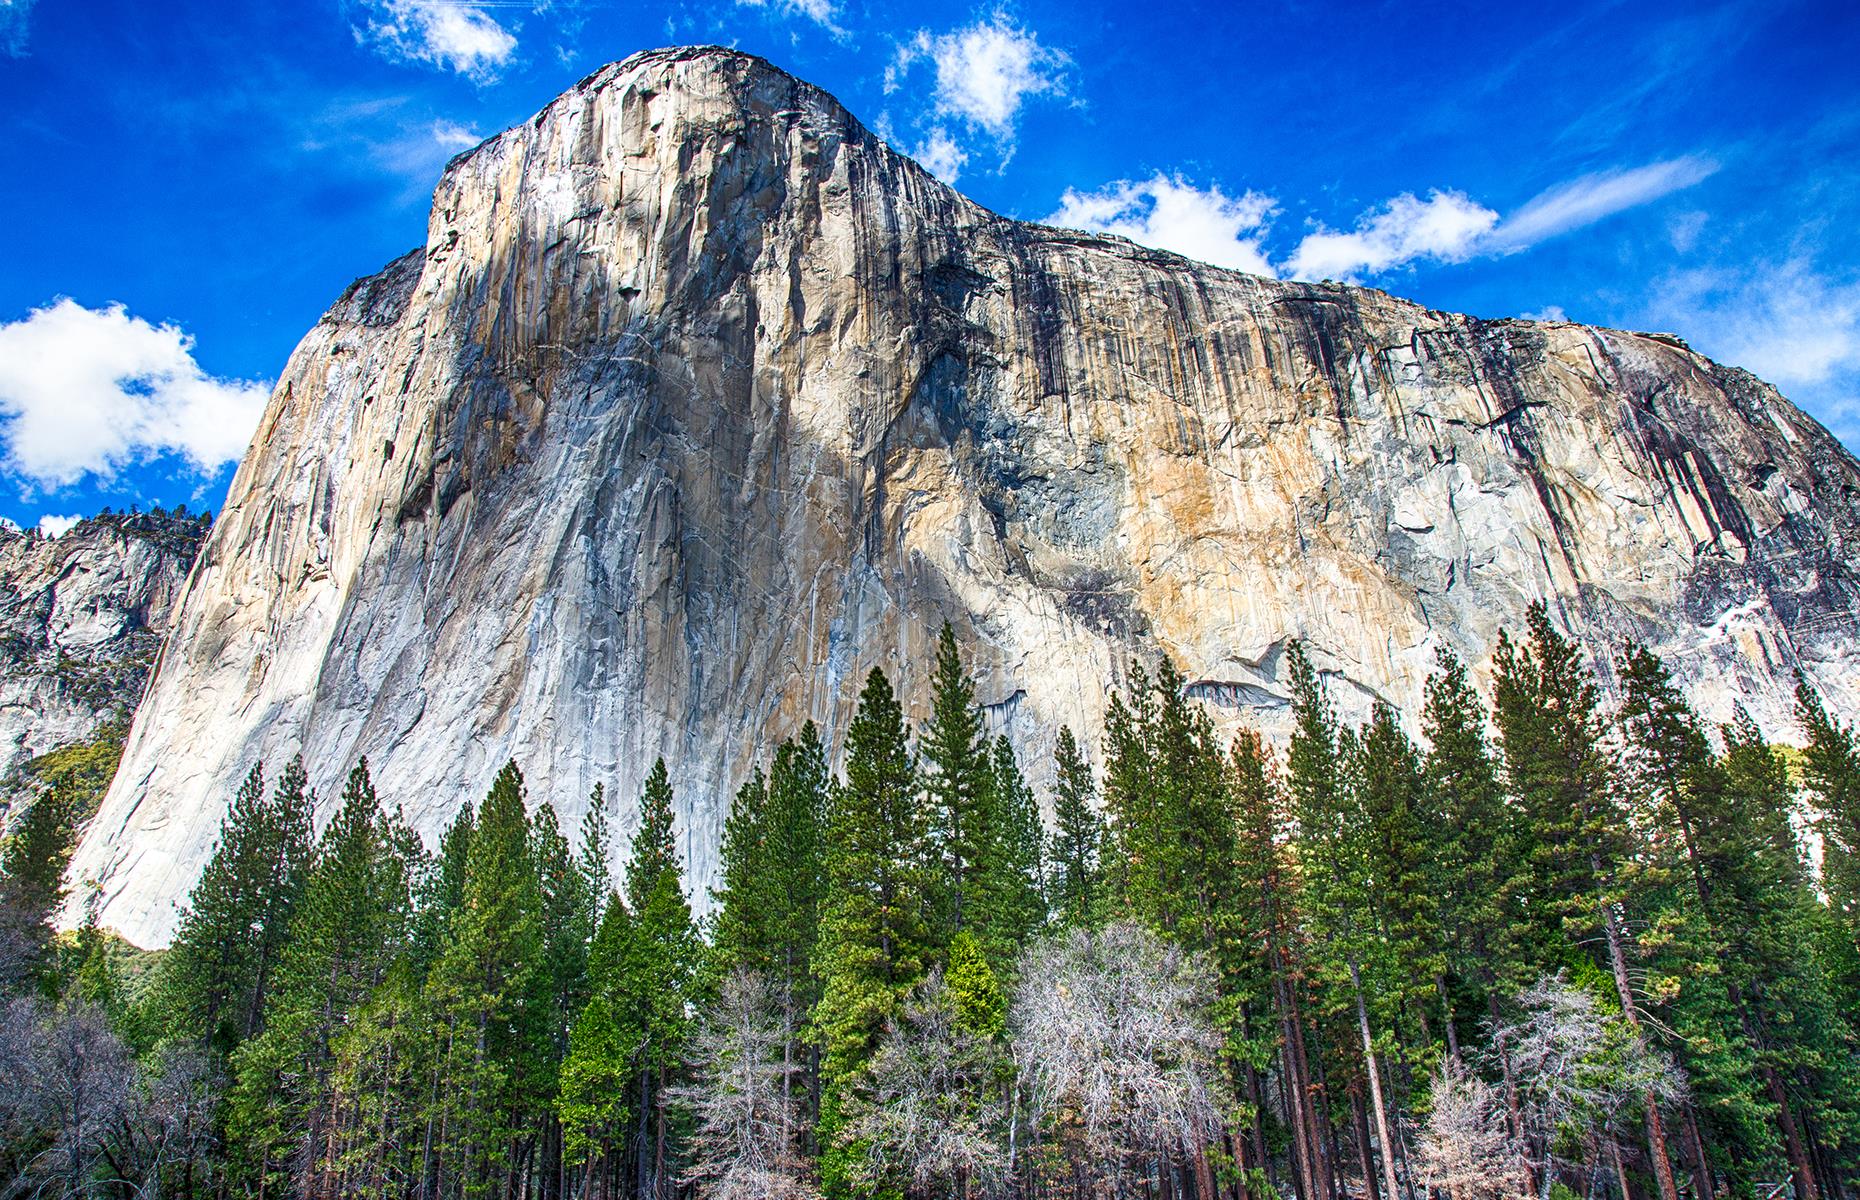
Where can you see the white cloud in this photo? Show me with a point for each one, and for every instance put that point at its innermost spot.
(1588, 199)
(86, 391)
(449, 135)
(941, 156)
(454, 35)
(1172, 214)
(1549, 312)
(56, 527)
(1446, 226)
(985, 73)
(13, 15)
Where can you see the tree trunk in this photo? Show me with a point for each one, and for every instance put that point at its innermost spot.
(1375, 1088)
(1292, 1084)
(1204, 1175)
(1806, 1187)
(1656, 1128)
(1621, 1175)
(1701, 1166)
(1446, 1015)
(1364, 1155)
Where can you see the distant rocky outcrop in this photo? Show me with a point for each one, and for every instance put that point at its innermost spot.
(81, 621)
(700, 401)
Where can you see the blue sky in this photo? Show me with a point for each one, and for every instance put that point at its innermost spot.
(189, 185)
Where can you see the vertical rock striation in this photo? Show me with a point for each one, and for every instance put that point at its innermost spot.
(700, 401)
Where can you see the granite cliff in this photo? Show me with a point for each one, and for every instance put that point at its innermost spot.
(699, 401)
(81, 621)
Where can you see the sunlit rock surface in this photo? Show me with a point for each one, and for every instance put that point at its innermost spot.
(700, 401)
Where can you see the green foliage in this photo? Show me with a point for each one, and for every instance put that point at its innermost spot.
(975, 992)
(1566, 912)
(491, 997)
(604, 1045)
(216, 975)
(875, 928)
(32, 887)
(1475, 866)
(1075, 875)
(1011, 879)
(344, 936)
(1571, 830)
(1831, 774)
(957, 778)
(1166, 795)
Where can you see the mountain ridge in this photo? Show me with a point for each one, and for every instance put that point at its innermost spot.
(700, 400)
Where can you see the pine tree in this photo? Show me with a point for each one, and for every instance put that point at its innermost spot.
(1679, 798)
(32, 888)
(592, 855)
(956, 776)
(768, 908)
(1165, 791)
(875, 932)
(1172, 827)
(1475, 870)
(442, 889)
(1831, 773)
(744, 898)
(568, 905)
(1010, 878)
(1336, 810)
(216, 973)
(660, 974)
(1265, 958)
(1766, 911)
(1547, 707)
(602, 1062)
(344, 935)
(654, 853)
(1074, 874)
(490, 994)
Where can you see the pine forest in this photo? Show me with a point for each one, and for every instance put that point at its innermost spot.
(1553, 944)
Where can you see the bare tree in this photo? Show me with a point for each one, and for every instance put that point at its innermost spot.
(933, 1105)
(1581, 1071)
(1466, 1148)
(747, 1143)
(1113, 1034)
(70, 1084)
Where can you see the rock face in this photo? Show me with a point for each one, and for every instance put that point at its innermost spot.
(700, 401)
(81, 619)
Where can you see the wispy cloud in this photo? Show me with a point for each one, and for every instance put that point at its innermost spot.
(822, 12)
(1447, 226)
(1170, 213)
(1590, 198)
(1450, 226)
(88, 391)
(13, 18)
(452, 35)
(1788, 323)
(985, 73)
